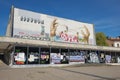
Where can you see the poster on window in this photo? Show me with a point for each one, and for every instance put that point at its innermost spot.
(94, 57)
(118, 59)
(32, 25)
(45, 58)
(55, 58)
(77, 57)
(33, 57)
(20, 57)
(108, 58)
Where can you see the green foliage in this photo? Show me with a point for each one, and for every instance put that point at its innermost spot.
(101, 39)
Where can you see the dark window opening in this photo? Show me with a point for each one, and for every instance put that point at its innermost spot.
(33, 55)
(20, 55)
(64, 56)
(45, 56)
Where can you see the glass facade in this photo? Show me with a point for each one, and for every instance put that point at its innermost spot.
(27, 55)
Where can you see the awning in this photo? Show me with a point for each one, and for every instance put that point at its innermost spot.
(7, 42)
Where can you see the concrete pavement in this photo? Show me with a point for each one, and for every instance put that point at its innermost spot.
(61, 73)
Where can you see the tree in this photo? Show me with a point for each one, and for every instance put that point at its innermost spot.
(101, 39)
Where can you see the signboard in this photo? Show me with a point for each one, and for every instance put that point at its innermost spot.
(31, 25)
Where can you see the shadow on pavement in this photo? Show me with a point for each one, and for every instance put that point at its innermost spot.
(93, 75)
(3, 66)
(1, 57)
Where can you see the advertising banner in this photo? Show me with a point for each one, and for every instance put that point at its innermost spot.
(77, 57)
(108, 58)
(94, 57)
(55, 58)
(31, 25)
(19, 58)
(118, 59)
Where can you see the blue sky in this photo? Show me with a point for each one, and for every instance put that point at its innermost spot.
(104, 14)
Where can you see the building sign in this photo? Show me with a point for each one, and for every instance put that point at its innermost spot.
(31, 25)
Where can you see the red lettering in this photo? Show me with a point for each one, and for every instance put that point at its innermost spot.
(68, 38)
(64, 37)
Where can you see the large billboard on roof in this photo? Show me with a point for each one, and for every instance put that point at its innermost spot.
(32, 25)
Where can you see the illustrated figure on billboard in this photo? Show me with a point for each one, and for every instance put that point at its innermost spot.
(86, 35)
(77, 37)
(53, 28)
(57, 29)
(64, 33)
(60, 32)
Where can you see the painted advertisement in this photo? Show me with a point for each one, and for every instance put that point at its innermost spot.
(31, 25)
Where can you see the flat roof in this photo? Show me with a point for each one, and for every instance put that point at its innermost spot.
(5, 42)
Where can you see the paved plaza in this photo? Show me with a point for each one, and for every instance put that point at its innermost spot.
(60, 73)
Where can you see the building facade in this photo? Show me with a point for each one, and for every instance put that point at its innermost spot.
(114, 42)
(35, 38)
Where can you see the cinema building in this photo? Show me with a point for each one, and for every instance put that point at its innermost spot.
(39, 39)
